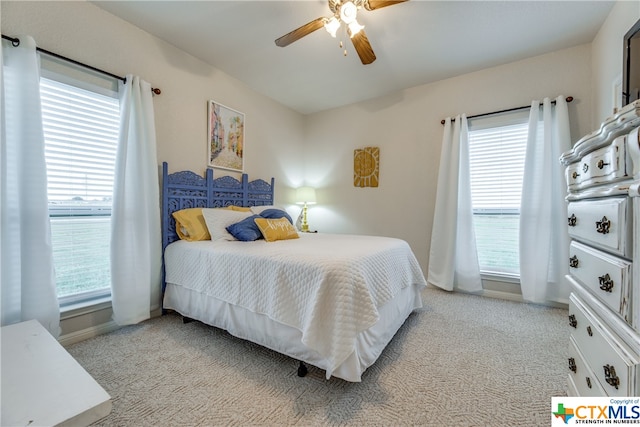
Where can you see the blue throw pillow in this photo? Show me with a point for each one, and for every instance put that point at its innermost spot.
(245, 230)
(275, 214)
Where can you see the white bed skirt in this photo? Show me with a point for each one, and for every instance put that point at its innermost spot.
(284, 339)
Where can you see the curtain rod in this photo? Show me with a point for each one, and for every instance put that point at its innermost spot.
(569, 99)
(16, 42)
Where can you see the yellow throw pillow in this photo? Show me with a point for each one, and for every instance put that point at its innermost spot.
(190, 224)
(239, 208)
(276, 229)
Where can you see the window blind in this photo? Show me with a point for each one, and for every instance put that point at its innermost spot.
(81, 132)
(496, 158)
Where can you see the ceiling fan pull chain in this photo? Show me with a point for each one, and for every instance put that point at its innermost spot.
(342, 45)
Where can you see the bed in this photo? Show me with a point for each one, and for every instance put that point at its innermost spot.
(328, 300)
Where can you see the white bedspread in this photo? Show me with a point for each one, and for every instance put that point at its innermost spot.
(328, 286)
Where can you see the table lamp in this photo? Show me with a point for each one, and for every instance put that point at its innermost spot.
(305, 196)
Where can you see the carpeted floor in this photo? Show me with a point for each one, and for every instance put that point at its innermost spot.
(462, 360)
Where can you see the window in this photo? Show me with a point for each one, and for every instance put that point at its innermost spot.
(497, 147)
(81, 124)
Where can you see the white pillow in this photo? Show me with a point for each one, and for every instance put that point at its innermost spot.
(218, 219)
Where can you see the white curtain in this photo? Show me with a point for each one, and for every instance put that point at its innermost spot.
(453, 257)
(544, 242)
(135, 219)
(26, 258)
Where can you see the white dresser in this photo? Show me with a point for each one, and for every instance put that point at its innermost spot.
(603, 181)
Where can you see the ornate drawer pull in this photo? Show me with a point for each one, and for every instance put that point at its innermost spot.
(572, 220)
(610, 376)
(585, 167)
(575, 174)
(602, 164)
(606, 284)
(572, 321)
(573, 262)
(603, 225)
(572, 365)
(589, 331)
(588, 382)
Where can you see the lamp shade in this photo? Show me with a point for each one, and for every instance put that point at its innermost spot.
(306, 195)
(332, 26)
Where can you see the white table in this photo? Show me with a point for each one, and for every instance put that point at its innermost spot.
(42, 385)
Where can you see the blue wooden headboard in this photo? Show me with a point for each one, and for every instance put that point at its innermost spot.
(181, 190)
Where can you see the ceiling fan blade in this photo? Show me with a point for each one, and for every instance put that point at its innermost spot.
(363, 47)
(378, 4)
(299, 33)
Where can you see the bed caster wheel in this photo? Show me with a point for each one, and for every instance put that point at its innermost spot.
(302, 370)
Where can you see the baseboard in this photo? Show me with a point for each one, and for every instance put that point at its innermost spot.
(518, 298)
(510, 296)
(84, 334)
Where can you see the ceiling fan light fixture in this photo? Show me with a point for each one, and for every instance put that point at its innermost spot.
(354, 28)
(332, 25)
(348, 12)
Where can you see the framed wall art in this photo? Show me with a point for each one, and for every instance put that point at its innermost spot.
(225, 137)
(366, 167)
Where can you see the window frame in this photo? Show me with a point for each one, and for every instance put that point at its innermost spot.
(510, 118)
(58, 70)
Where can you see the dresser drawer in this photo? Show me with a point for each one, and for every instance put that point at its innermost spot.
(583, 380)
(610, 359)
(606, 276)
(608, 164)
(602, 222)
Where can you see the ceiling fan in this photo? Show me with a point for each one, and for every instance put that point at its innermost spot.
(344, 12)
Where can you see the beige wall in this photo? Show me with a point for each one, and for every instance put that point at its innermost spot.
(406, 126)
(606, 57)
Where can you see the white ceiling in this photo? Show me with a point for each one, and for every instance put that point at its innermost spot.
(416, 42)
